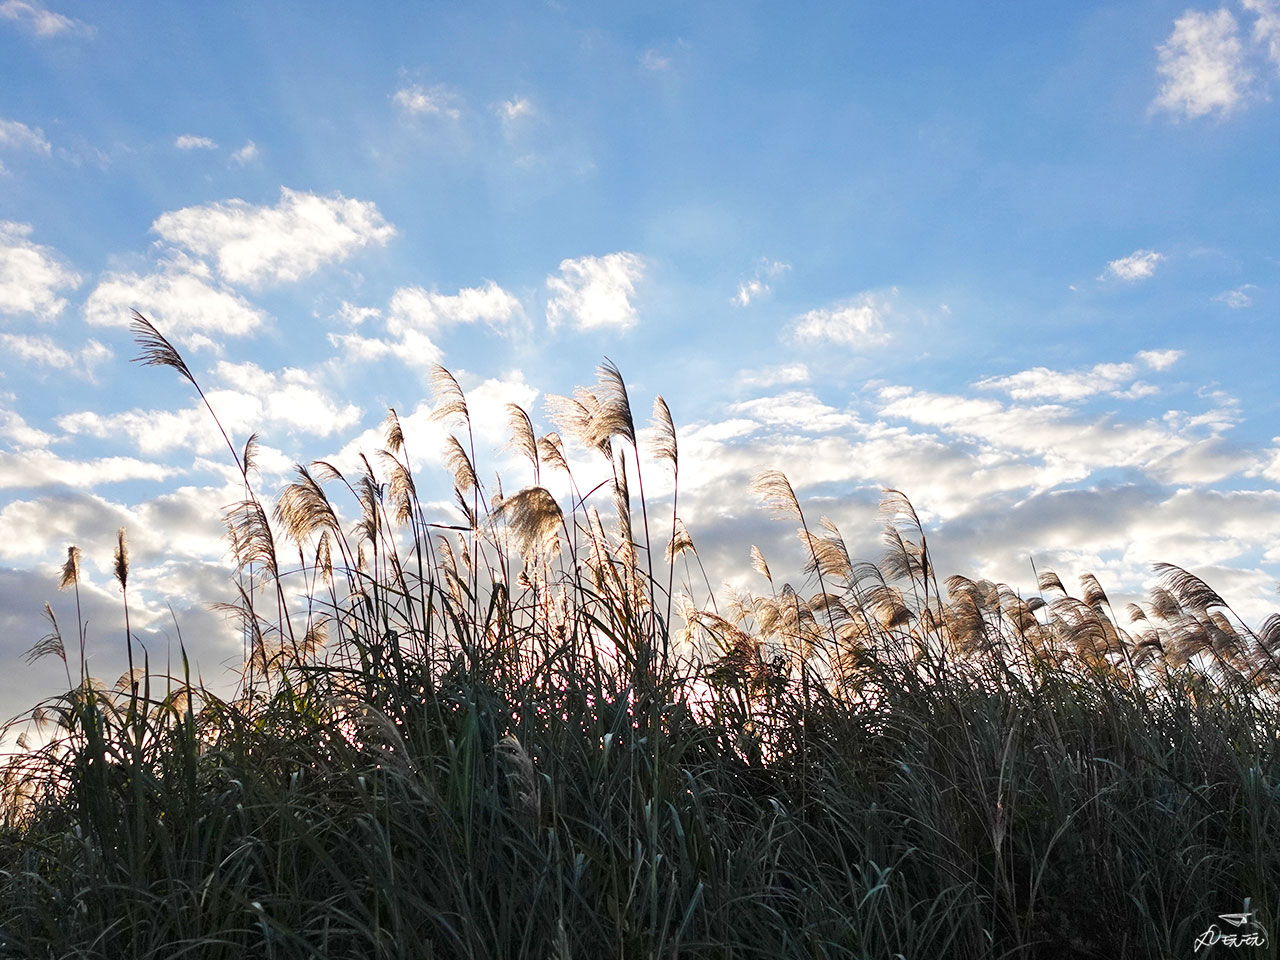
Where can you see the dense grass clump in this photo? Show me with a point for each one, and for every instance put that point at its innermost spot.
(512, 736)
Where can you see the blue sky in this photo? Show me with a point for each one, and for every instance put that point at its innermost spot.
(1017, 260)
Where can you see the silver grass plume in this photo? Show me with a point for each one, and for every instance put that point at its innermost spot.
(156, 350)
(664, 434)
(614, 411)
(522, 436)
(71, 569)
(680, 542)
(775, 490)
(759, 565)
(459, 464)
(400, 487)
(551, 450)
(303, 508)
(122, 559)
(521, 779)
(533, 517)
(395, 435)
(50, 643)
(450, 400)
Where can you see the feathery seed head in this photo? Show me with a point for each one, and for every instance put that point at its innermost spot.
(122, 559)
(70, 569)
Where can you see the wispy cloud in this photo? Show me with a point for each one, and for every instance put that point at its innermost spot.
(594, 292)
(15, 135)
(654, 60)
(774, 376)
(1202, 66)
(1138, 265)
(31, 275)
(246, 154)
(1117, 379)
(515, 115)
(190, 141)
(760, 283)
(1236, 299)
(1266, 28)
(857, 322)
(45, 352)
(38, 20)
(259, 245)
(437, 100)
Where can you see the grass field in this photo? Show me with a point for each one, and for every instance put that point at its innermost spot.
(515, 734)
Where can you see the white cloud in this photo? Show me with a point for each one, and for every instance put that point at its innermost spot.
(1116, 379)
(416, 316)
(796, 408)
(426, 310)
(758, 285)
(858, 322)
(258, 245)
(1159, 359)
(774, 376)
(15, 135)
(1202, 66)
(190, 141)
(1236, 299)
(19, 432)
(437, 100)
(248, 399)
(180, 297)
(1266, 28)
(515, 108)
(44, 352)
(41, 22)
(1138, 265)
(246, 154)
(31, 275)
(594, 292)
(41, 468)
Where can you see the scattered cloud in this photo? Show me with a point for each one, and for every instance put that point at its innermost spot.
(41, 22)
(594, 292)
(260, 245)
(796, 407)
(1116, 379)
(774, 376)
(653, 60)
(415, 317)
(1202, 66)
(20, 433)
(437, 100)
(1236, 299)
(759, 284)
(515, 108)
(181, 296)
(246, 154)
(1138, 265)
(1266, 28)
(189, 141)
(15, 135)
(45, 352)
(857, 322)
(31, 275)
(414, 307)
(247, 398)
(515, 115)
